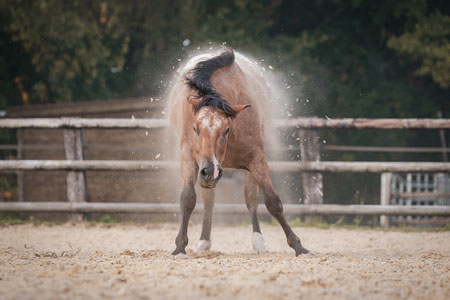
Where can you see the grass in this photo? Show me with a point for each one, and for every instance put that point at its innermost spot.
(106, 220)
(8, 219)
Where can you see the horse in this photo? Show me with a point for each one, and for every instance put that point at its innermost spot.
(219, 108)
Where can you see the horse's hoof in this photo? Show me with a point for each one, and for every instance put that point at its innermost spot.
(202, 246)
(178, 251)
(180, 256)
(258, 242)
(302, 250)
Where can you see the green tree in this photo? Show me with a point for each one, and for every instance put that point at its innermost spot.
(71, 45)
(428, 45)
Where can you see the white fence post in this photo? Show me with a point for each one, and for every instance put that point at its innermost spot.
(385, 196)
(75, 180)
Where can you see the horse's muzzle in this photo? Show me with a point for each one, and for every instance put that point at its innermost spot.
(210, 175)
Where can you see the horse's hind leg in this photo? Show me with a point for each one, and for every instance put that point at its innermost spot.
(260, 170)
(251, 199)
(204, 244)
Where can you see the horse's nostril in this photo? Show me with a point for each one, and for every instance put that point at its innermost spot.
(203, 172)
(220, 173)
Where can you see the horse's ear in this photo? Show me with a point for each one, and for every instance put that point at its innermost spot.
(193, 100)
(239, 108)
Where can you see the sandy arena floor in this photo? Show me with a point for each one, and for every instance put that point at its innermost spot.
(133, 262)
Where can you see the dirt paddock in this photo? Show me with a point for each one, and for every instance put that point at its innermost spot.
(134, 262)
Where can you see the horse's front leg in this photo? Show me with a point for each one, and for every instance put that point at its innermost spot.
(204, 244)
(260, 170)
(189, 171)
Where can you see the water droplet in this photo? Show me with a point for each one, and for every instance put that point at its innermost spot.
(320, 191)
(186, 42)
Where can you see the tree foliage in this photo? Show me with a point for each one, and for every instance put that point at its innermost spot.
(71, 46)
(349, 58)
(428, 45)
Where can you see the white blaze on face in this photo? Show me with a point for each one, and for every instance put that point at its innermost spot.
(210, 122)
(216, 123)
(216, 167)
(201, 114)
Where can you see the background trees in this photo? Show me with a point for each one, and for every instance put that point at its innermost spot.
(349, 58)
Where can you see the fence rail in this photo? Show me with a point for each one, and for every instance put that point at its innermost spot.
(383, 149)
(362, 123)
(343, 148)
(305, 123)
(289, 209)
(278, 166)
(83, 123)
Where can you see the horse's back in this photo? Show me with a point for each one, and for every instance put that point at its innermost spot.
(255, 88)
(241, 83)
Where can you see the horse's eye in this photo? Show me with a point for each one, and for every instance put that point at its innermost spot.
(196, 130)
(227, 131)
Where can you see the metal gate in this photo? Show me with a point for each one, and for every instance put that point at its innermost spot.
(419, 189)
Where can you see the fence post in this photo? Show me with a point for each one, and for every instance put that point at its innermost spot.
(312, 181)
(20, 174)
(385, 196)
(443, 140)
(75, 180)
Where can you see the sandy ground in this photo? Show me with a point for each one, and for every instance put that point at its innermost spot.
(134, 262)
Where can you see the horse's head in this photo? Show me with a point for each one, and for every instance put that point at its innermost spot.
(211, 127)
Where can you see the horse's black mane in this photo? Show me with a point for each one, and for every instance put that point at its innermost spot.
(199, 79)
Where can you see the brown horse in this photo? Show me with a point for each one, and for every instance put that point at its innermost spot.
(219, 107)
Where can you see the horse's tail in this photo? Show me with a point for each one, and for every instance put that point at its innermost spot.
(198, 78)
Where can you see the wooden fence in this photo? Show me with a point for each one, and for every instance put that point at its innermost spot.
(75, 165)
